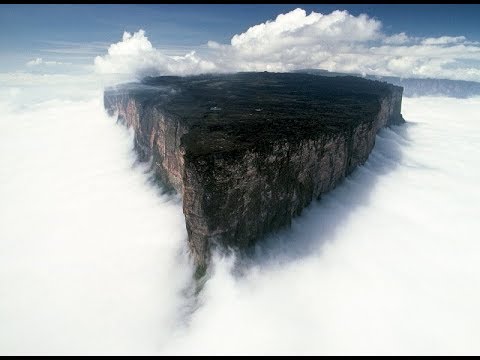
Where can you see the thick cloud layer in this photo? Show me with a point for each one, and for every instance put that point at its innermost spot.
(337, 41)
(92, 257)
(385, 264)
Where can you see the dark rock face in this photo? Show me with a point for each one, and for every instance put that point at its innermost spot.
(249, 151)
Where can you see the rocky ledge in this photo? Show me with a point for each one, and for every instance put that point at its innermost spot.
(249, 151)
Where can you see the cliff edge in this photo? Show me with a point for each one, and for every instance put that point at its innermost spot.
(249, 151)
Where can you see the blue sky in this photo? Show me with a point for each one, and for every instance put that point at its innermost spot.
(27, 28)
(193, 24)
(76, 33)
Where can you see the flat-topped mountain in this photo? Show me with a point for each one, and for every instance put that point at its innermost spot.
(249, 151)
(415, 86)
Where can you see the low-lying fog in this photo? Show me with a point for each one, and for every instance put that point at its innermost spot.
(93, 258)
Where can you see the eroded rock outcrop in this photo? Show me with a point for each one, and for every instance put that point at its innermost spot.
(249, 151)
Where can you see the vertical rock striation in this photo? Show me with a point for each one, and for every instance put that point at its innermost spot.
(156, 134)
(249, 151)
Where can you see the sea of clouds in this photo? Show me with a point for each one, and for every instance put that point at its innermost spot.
(93, 257)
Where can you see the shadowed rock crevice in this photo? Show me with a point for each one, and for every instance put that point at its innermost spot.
(249, 151)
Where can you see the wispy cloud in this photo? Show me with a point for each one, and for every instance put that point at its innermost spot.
(444, 40)
(74, 48)
(34, 62)
(40, 61)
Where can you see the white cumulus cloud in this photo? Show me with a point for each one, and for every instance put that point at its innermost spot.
(136, 55)
(298, 28)
(295, 40)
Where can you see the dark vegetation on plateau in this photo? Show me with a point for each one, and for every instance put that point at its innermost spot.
(232, 112)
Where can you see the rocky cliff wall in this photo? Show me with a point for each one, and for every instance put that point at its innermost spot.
(156, 135)
(235, 199)
(232, 198)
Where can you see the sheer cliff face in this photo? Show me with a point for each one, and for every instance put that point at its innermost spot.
(246, 196)
(237, 184)
(157, 136)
